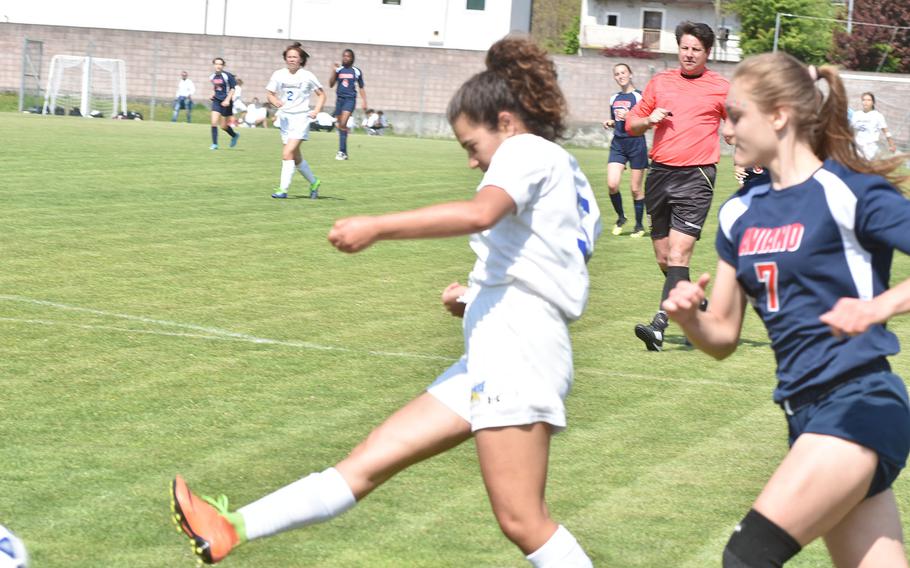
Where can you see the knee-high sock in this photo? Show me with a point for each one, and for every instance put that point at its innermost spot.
(674, 274)
(316, 498)
(230, 131)
(287, 173)
(639, 205)
(304, 168)
(343, 141)
(561, 551)
(214, 135)
(616, 200)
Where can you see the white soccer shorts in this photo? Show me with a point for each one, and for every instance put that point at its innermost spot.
(517, 366)
(294, 126)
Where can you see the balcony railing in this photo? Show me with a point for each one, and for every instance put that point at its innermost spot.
(660, 41)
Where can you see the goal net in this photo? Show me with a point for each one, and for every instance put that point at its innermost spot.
(85, 86)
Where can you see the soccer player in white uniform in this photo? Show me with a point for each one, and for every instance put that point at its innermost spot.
(289, 90)
(869, 125)
(533, 222)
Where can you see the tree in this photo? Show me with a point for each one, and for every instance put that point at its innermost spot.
(551, 20)
(871, 48)
(808, 40)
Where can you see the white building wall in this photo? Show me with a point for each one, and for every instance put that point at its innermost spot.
(413, 23)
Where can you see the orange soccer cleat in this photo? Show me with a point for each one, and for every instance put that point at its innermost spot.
(213, 530)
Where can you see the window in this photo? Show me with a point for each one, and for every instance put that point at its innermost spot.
(392, 2)
(652, 23)
(612, 19)
(476, 4)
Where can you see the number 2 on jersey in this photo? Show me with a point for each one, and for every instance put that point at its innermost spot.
(766, 272)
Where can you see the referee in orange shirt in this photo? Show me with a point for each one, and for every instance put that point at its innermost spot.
(684, 107)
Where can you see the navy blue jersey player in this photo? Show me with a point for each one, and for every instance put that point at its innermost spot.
(347, 78)
(811, 249)
(625, 148)
(223, 85)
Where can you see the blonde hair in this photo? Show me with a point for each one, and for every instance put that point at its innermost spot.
(780, 80)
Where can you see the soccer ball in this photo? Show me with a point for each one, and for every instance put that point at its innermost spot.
(12, 551)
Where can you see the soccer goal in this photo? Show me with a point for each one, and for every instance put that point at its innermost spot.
(86, 86)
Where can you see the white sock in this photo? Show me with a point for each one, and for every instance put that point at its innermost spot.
(304, 169)
(287, 172)
(561, 551)
(316, 498)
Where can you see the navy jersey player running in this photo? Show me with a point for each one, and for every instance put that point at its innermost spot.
(811, 248)
(223, 85)
(348, 78)
(625, 148)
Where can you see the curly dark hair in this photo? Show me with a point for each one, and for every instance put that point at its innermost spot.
(520, 78)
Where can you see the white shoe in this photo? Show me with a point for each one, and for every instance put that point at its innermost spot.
(341, 156)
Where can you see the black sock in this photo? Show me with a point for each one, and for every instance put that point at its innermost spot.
(639, 212)
(214, 135)
(674, 274)
(616, 200)
(759, 543)
(230, 131)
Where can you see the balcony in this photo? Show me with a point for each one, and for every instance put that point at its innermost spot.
(595, 36)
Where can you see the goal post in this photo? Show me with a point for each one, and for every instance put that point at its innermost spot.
(86, 86)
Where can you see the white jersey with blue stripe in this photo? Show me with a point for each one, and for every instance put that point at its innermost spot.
(798, 250)
(545, 244)
(294, 89)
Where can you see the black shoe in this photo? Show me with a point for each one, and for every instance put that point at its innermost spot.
(652, 334)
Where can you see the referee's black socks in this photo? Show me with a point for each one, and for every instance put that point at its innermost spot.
(759, 543)
(675, 274)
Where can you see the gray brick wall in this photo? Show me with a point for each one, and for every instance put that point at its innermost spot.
(413, 85)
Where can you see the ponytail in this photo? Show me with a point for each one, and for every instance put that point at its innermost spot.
(821, 120)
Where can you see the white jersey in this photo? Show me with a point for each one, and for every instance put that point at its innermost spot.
(185, 88)
(868, 126)
(544, 245)
(294, 89)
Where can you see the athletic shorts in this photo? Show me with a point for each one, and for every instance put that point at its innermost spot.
(678, 198)
(345, 104)
(632, 150)
(868, 150)
(870, 409)
(239, 106)
(517, 366)
(294, 126)
(224, 111)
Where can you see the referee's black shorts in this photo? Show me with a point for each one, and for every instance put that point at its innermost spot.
(678, 198)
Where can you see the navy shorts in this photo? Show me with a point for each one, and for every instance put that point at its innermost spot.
(345, 104)
(678, 198)
(224, 111)
(631, 149)
(870, 409)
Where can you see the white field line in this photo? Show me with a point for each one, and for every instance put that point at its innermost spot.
(211, 333)
(216, 334)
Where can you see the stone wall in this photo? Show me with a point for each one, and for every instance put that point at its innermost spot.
(413, 85)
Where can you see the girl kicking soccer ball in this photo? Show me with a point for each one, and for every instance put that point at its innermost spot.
(533, 222)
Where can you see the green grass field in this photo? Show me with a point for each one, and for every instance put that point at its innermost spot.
(160, 314)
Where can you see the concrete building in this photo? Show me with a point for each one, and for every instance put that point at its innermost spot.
(609, 23)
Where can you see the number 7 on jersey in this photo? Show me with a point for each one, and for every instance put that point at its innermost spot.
(766, 272)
